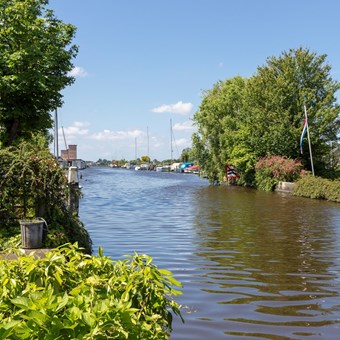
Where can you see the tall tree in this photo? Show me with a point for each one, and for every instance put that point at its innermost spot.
(241, 120)
(276, 96)
(218, 119)
(35, 60)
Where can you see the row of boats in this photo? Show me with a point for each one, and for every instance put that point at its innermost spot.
(187, 167)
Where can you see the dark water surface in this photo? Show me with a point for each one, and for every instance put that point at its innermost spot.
(253, 265)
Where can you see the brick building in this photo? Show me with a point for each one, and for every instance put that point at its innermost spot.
(70, 154)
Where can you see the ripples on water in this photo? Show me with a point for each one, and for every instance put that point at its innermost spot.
(253, 265)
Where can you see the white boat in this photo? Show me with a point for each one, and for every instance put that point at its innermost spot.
(175, 166)
(142, 167)
(165, 168)
(129, 166)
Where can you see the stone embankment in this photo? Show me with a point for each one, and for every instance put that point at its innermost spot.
(285, 187)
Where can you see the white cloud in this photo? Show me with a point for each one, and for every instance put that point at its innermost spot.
(78, 129)
(81, 124)
(183, 142)
(118, 144)
(184, 126)
(116, 135)
(77, 71)
(178, 108)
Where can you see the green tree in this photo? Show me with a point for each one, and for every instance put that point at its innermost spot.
(276, 95)
(218, 120)
(145, 159)
(35, 60)
(185, 155)
(241, 120)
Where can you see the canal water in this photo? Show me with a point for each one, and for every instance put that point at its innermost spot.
(254, 265)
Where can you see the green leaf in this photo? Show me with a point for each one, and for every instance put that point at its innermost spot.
(10, 324)
(75, 313)
(62, 302)
(89, 319)
(58, 278)
(38, 317)
(165, 272)
(22, 302)
(174, 281)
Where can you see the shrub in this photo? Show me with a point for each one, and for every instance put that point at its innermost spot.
(32, 184)
(273, 169)
(71, 295)
(317, 187)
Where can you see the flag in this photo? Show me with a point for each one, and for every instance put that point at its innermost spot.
(304, 130)
(231, 171)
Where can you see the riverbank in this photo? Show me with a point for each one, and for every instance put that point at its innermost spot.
(312, 187)
(319, 188)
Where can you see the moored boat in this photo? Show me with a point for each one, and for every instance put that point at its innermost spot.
(164, 168)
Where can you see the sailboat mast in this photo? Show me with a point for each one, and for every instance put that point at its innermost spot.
(171, 140)
(147, 134)
(66, 148)
(135, 148)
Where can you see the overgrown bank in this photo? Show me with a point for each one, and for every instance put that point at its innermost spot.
(317, 187)
(269, 171)
(32, 184)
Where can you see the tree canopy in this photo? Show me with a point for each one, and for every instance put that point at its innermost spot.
(241, 120)
(35, 60)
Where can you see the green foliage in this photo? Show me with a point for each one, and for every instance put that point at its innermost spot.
(242, 120)
(273, 169)
(35, 60)
(186, 155)
(317, 187)
(276, 95)
(70, 295)
(145, 159)
(32, 184)
(218, 120)
(30, 176)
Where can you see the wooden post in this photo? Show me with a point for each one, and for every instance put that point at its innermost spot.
(73, 184)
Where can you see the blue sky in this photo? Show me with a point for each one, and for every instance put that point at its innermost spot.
(142, 63)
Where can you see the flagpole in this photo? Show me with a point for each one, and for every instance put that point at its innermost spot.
(310, 148)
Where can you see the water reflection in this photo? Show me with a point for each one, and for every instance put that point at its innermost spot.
(273, 262)
(254, 265)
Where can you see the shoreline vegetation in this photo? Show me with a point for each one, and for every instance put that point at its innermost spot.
(69, 294)
(72, 294)
(262, 120)
(34, 185)
(318, 188)
(63, 290)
